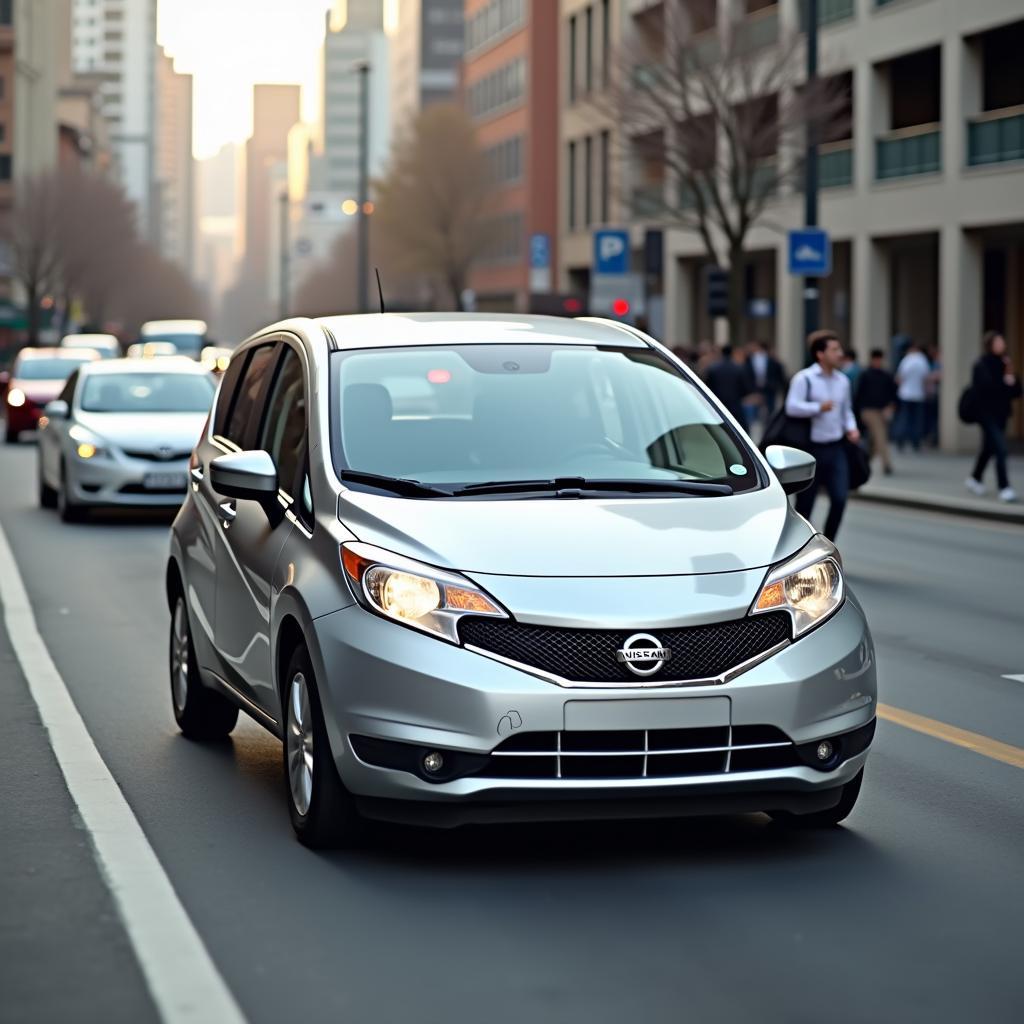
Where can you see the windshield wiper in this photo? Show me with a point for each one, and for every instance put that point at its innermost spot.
(395, 484)
(574, 486)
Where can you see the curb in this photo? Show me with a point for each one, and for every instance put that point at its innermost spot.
(949, 506)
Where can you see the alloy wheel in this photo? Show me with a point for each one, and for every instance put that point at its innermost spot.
(299, 739)
(179, 656)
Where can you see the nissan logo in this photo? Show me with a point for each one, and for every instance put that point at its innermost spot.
(643, 654)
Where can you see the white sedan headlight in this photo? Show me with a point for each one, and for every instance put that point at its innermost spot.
(87, 445)
(809, 586)
(412, 593)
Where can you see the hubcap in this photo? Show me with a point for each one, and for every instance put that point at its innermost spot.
(179, 656)
(299, 738)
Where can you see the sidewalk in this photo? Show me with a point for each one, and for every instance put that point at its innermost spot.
(935, 481)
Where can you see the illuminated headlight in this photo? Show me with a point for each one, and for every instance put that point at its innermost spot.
(87, 446)
(15, 398)
(809, 586)
(412, 593)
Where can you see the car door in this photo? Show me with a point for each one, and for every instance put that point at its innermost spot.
(251, 541)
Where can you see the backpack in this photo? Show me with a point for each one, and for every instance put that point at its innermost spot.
(967, 409)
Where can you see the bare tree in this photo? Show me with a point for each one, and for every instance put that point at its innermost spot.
(35, 242)
(432, 205)
(714, 125)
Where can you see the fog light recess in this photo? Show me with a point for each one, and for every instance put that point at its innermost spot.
(824, 750)
(434, 762)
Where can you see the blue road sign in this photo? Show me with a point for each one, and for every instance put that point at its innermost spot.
(810, 252)
(611, 252)
(540, 252)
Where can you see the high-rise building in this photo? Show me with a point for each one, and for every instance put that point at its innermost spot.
(117, 39)
(426, 39)
(354, 37)
(510, 74)
(174, 186)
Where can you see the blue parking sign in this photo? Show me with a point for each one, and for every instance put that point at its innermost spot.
(540, 251)
(810, 252)
(611, 252)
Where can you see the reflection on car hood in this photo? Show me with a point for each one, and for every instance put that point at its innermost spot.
(589, 537)
(146, 431)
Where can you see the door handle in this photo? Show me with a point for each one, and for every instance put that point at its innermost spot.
(227, 511)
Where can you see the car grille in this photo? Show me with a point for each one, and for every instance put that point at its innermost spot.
(641, 753)
(588, 655)
(159, 456)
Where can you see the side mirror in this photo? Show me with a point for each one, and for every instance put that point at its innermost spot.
(794, 468)
(251, 476)
(56, 410)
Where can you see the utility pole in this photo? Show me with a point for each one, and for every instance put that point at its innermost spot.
(363, 225)
(812, 305)
(283, 255)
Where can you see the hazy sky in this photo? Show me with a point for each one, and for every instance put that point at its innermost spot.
(229, 45)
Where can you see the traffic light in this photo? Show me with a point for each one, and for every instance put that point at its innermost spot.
(557, 304)
(716, 291)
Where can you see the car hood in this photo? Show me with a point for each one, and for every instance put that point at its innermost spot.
(39, 391)
(178, 431)
(587, 537)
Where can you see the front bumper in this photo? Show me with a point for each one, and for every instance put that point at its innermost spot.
(119, 480)
(385, 682)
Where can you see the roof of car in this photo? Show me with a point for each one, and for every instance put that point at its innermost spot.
(388, 330)
(52, 352)
(160, 364)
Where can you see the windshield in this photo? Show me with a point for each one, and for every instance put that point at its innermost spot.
(469, 414)
(47, 368)
(147, 392)
(184, 344)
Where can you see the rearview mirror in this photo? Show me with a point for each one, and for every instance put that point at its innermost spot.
(793, 467)
(251, 476)
(56, 410)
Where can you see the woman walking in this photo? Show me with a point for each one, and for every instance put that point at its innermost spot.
(995, 386)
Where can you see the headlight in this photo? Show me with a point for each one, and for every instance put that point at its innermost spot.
(87, 446)
(15, 398)
(809, 586)
(413, 593)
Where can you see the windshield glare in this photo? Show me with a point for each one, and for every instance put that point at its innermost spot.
(147, 393)
(453, 416)
(49, 368)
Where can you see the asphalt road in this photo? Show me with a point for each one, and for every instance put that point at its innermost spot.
(912, 912)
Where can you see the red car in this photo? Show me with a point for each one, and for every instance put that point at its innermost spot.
(37, 377)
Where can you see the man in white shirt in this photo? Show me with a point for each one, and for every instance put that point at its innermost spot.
(912, 378)
(821, 393)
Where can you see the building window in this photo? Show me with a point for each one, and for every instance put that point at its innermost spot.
(588, 181)
(606, 43)
(588, 69)
(3, 132)
(5, 166)
(502, 87)
(506, 239)
(606, 140)
(6, 12)
(572, 186)
(493, 21)
(572, 59)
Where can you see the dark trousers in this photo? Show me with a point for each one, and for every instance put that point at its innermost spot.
(993, 443)
(909, 424)
(833, 473)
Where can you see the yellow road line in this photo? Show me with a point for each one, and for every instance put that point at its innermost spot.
(1004, 752)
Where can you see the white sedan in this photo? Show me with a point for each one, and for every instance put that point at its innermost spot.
(121, 433)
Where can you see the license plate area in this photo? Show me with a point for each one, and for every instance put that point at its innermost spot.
(164, 482)
(648, 713)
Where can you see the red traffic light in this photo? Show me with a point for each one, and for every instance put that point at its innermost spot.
(620, 307)
(572, 305)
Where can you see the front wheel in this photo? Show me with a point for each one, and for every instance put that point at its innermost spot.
(827, 818)
(323, 812)
(200, 713)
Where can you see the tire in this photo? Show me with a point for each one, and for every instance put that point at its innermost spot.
(47, 494)
(201, 713)
(828, 818)
(69, 512)
(11, 436)
(323, 812)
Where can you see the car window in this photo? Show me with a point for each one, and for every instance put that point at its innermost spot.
(244, 417)
(283, 433)
(228, 389)
(147, 392)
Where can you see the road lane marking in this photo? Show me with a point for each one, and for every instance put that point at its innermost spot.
(183, 981)
(1016, 679)
(1004, 752)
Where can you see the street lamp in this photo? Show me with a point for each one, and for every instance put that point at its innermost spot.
(812, 309)
(362, 228)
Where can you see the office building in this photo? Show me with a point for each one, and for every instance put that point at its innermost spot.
(174, 191)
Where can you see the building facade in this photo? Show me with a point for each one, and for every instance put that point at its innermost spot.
(174, 186)
(510, 73)
(116, 40)
(426, 38)
(923, 197)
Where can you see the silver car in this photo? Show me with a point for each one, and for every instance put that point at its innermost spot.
(121, 433)
(475, 569)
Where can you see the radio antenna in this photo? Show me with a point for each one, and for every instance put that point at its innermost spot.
(380, 290)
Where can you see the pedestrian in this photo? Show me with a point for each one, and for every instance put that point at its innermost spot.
(874, 399)
(768, 375)
(821, 393)
(730, 381)
(994, 386)
(852, 368)
(911, 378)
(931, 397)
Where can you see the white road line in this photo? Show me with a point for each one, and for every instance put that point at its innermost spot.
(182, 979)
(1016, 679)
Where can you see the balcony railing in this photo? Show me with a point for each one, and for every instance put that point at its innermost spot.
(835, 164)
(758, 29)
(829, 12)
(648, 201)
(907, 151)
(705, 48)
(995, 137)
